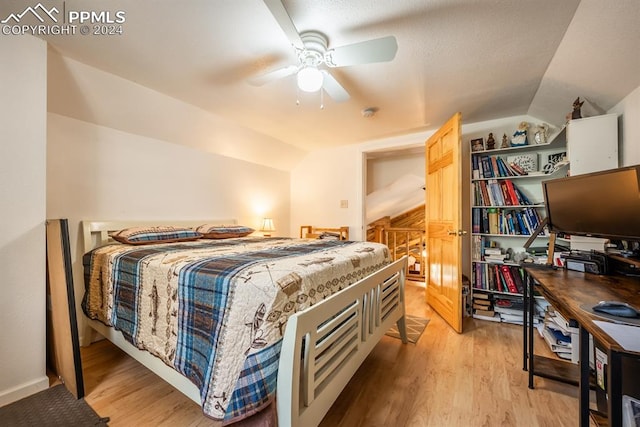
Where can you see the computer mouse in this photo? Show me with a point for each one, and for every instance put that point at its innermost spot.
(616, 308)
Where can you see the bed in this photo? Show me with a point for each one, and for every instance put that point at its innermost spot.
(304, 312)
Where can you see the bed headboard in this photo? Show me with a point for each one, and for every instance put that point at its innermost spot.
(96, 233)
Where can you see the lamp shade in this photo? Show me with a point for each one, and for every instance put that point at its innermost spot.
(310, 79)
(267, 226)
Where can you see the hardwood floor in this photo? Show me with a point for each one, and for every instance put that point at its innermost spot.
(446, 379)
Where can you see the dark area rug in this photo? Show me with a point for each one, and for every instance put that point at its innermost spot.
(415, 328)
(55, 406)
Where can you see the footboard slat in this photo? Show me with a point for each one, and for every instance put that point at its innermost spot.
(329, 329)
(336, 342)
(330, 346)
(331, 368)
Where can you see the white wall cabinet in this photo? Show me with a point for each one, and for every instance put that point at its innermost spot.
(592, 144)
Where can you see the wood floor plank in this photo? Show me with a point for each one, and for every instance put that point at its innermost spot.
(472, 379)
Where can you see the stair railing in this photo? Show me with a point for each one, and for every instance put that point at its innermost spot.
(404, 241)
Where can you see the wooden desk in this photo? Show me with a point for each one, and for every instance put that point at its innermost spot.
(567, 291)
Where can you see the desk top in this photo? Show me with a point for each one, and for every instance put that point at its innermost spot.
(567, 290)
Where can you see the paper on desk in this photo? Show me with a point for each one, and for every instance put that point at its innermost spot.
(627, 336)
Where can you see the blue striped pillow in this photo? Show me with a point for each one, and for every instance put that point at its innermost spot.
(160, 234)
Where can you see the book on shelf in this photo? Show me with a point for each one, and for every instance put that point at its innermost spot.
(517, 168)
(565, 354)
(516, 319)
(507, 310)
(475, 174)
(493, 221)
(494, 166)
(501, 283)
(518, 277)
(559, 337)
(483, 312)
(509, 279)
(487, 172)
(494, 318)
(554, 344)
(562, 323)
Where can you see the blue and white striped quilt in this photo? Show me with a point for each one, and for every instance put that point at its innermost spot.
(215, 310)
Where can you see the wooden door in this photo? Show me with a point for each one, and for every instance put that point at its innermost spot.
(443, 218)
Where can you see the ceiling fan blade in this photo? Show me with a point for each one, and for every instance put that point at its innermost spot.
(284, 20)
(273, 75)
(333, 88)
(376, 50)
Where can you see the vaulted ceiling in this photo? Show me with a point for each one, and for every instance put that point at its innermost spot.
(486, 58)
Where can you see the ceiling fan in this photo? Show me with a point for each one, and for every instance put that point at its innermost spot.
(313, 53)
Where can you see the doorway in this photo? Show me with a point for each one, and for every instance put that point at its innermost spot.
(393, 205)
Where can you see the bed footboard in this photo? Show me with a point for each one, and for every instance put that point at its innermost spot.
(324, 345)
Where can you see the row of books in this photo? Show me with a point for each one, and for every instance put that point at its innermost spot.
(498, 277)
(505, 221)
(494, 166)
(506, 308)
(498, 193)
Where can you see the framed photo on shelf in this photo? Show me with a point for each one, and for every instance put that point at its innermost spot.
(477, 144)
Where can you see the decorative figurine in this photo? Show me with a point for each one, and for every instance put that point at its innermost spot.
(491, 143)
(505, 141)
(520, 136)
(540, 133)
(576, 113)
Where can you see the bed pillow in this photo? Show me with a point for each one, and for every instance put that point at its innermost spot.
(160, 234)
(217, 231)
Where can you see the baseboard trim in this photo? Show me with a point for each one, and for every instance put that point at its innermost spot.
(27, 389)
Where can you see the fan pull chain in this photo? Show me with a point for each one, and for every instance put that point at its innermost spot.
(297, 96)
(321, 99)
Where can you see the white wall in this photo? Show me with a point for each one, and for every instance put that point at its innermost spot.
(22, 233)
(94, 172)
(318, 184)
(383, 171)
(629, 128)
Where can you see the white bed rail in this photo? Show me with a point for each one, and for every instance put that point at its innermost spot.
(320, 356)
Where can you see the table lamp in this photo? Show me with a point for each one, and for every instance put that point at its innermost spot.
(267, 227)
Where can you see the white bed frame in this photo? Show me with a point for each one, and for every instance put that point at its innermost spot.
(322, 348)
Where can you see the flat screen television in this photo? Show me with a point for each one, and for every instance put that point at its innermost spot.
(601, 204)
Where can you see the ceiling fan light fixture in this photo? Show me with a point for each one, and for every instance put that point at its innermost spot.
(310, 79)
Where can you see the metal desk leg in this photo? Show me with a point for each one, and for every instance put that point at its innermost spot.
(614, 388)
(584, 377)
(525, 323)
(530, 286)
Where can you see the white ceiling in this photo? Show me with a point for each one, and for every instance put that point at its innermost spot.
(486, 58)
